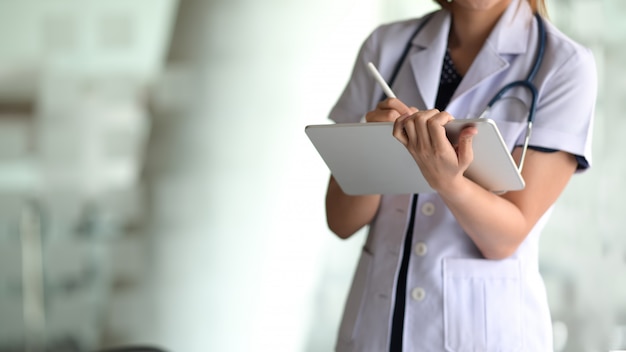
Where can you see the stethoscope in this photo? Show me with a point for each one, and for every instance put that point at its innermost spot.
(525, 83)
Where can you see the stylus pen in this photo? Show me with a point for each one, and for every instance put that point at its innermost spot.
(381, 81)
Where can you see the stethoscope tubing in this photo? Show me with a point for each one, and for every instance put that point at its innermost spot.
(530, 86)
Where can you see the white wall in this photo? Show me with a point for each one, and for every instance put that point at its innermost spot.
(91, 35)
(241, 242)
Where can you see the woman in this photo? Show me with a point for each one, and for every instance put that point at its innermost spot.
(457, 269)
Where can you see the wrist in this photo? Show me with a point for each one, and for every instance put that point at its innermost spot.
(457, 190)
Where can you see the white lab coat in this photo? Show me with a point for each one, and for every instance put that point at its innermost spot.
(456, 299)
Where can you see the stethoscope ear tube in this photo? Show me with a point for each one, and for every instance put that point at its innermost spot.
(528, 84)
(531, 111)
(529, 130)
(541, 48)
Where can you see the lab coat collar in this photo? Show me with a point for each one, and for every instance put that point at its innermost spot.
(509, 36)
(426, 62)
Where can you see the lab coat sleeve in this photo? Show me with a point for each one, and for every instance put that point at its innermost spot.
(383, 47)
(356, 99)
(566, 105)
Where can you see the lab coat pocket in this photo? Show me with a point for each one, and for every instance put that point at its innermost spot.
(482, 305)
(356, 299)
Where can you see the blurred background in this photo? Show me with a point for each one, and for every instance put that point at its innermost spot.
(157, 187)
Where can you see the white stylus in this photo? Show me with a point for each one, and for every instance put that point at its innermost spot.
(381, 81)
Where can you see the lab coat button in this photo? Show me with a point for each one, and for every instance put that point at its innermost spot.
(421, 249)
(428, 209)
(418, 294)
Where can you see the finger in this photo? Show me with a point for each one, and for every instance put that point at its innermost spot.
(465, 150)
(382, 115)
(395, 104)
(399, 130)
(387, 110)
(410, 129)
(436, 130)
(421, 119)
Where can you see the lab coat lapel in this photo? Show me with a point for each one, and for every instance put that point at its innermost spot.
(431, 45)
(509, 37)
(487, 64)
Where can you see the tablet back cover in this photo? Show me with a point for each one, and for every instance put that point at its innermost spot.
(365, 158)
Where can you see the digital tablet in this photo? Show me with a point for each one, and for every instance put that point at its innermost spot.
(365, 158)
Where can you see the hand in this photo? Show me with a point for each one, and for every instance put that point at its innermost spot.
(389, 110)
(424, 136)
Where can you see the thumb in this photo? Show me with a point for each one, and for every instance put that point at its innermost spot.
(465, 152)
